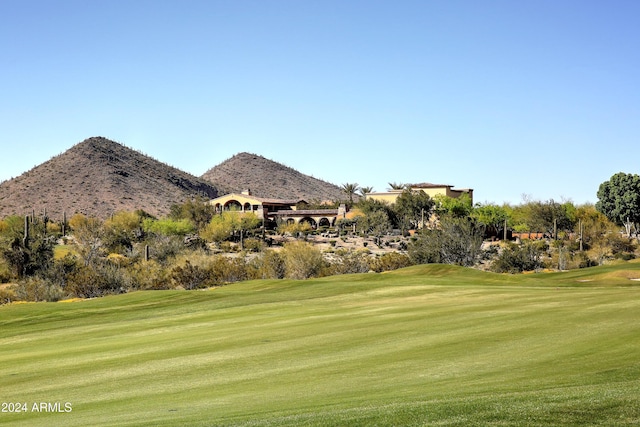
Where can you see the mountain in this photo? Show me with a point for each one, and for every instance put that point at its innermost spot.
(98, 177)
(266, 178)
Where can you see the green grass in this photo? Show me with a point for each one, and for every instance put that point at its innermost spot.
(427, 345)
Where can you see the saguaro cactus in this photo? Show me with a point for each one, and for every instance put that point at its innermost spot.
(25, 239)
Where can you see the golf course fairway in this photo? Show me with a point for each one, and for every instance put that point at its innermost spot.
(426, 345)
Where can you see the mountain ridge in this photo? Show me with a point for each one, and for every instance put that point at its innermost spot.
(98, 177)
(268, 178)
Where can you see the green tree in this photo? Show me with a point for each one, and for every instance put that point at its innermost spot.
(619, 200)
(412, 209)
(458, 207)
(197, 210)
(455, 241)
(549, 217)
(168, 226)
(122, 230)
(375, 223)
(493, 217)
(594, 226)
(229, 224)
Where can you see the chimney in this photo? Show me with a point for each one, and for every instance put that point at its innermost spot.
(246, 192)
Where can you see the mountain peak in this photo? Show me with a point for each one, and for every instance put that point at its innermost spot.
(267, 178)
(98, 177)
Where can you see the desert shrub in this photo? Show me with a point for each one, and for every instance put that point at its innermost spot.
(584, 261)
(27, 261)
(163, 247)
(302, 260)
(228, 247)
(7, 296)
(253, 245)
(518, 258)
(60, 270)
(98, 279)
(390, 261)
(89, 236)
(5, 271)
(294, 229)
(625, 256)
(37, 289)
(190, 276)
(121, 231)
(348, 262)
(198, 211)
(455, 241)
(169, 227)
(194, 242)
(270, 265)
(227, 270)
(149, 275)
(620, 245)
(229, 225)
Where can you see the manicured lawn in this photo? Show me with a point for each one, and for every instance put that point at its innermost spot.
(428, 345)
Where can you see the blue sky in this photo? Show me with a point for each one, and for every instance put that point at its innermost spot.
(510, 98)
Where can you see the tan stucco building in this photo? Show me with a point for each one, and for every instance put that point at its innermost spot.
(277, 209)
(430, 189)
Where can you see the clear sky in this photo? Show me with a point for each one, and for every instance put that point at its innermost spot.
(510, 98)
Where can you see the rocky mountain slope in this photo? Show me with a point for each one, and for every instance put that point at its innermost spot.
(98, 177)
(267, 178)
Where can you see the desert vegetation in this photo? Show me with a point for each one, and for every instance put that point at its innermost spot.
(195, 248)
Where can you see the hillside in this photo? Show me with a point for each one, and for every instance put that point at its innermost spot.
(266, 178)
(98, 177)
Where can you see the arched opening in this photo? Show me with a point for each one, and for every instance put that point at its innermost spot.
(247, 207)
(232, 205)
(324, 222)
(309, 220)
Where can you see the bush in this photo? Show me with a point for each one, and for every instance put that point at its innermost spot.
(162, 247)
(149, 275)
(191, 276)
(302, 260)
(6, 296)
(227, 270)
(456, 241)
(518, 258)
(97, 280)
(169, 227)
(390, 261)
(348, 262)
(268, 266)
(253, 245)
(5, 271)
(37, 289)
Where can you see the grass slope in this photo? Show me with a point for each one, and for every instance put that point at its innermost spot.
(428, 345)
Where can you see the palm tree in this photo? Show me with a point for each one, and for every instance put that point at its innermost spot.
(397, 186)
(350, 189)
(365, 190)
